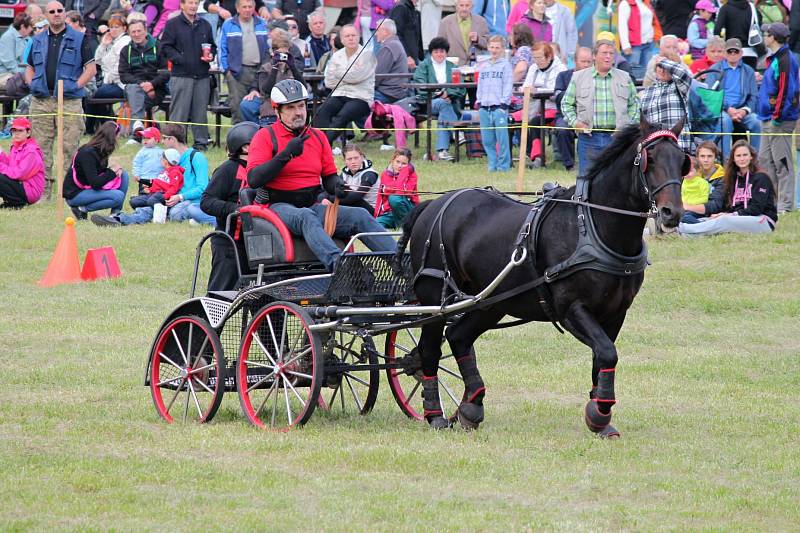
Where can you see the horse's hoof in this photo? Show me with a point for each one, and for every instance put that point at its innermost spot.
(609, 432)
(439, 422)
(470, 415)
(595, 420)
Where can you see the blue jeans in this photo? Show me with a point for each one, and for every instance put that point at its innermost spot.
(589, 147)
(638, 58)
(250, 109)
(142, 215)
(494, 136)
(197, 214)
(180, 211)
(750, 121)
(445, 114)
(93, 200)
(307, 222)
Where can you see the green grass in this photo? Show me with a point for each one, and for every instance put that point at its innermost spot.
(707, 388)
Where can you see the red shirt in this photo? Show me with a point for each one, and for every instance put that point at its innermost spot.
(168, 182)
(301, 172)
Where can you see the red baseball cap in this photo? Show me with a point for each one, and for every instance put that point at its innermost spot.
(21, 123)
(150, 133)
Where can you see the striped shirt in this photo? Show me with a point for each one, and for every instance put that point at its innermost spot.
(604, 116)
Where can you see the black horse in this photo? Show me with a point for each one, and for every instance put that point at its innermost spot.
(463, 242)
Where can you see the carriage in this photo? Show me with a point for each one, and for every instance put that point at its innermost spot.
(294, 337)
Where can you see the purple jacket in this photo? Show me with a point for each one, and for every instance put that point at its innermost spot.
(379, 10)
(542, 31)
(25, 163)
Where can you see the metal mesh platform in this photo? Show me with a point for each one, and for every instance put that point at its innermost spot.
(371, 278)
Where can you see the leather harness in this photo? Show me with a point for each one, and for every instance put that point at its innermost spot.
(591, 253)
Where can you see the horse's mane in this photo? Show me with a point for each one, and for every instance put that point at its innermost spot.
(622, 140)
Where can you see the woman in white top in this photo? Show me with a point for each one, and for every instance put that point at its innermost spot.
(107, 58)
(353, 93)
(541, 78)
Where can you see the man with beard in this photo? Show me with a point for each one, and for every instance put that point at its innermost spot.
(290, 163)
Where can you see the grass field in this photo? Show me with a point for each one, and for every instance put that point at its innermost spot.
(707, 387)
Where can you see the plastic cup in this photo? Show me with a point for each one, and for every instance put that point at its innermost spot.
(206, 47)
(456, 75)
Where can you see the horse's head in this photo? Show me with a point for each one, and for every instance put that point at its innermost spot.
(660, 164)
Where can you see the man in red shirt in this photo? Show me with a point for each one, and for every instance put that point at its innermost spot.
(286, 162)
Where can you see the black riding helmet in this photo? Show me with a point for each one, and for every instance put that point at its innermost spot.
(240, 135)
(288, 92)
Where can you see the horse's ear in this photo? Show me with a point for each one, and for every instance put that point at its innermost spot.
(677, 128)
(687, 165)
(644, 126)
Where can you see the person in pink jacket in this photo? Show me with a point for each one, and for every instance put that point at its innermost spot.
(22, 168)
(397, 194)
(385, 116)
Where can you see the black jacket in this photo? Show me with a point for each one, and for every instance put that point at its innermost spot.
(96, 8)
(146, 62)
(674, 16)
(409, 28)
(221, 197)
(734, 17)
(181, 43)
(762, 201)
(89, 169)
(300, 10)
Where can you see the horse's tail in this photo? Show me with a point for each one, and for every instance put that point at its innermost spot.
(408, 226)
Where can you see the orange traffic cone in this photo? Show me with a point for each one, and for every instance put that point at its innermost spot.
(64, 267)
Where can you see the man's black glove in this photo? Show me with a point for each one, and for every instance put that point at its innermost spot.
(341, 190)
(294, 148)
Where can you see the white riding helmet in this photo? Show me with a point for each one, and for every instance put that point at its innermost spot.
(288, 92)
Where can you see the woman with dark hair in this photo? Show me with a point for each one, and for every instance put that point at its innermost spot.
(521, 43)
(446, 103)
(91, 183)
(749, 198)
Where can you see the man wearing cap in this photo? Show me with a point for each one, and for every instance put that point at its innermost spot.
(59, 53)
(778, 109)
(598, 101)
(143, 70)
(188, 41)
(701, 28)
(290, 164)
(738, 81)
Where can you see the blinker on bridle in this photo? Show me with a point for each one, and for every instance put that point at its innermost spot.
(640, 161)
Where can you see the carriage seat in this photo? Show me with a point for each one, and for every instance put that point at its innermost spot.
(267, 240)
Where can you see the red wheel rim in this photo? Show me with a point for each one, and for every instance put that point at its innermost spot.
(278, 371)
(187, 359)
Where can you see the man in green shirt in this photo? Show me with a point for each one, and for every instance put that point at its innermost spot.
(463, 30)
(597, 101)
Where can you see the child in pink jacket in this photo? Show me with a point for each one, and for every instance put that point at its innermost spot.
(22, 169)
(398, 190)
(385, 116)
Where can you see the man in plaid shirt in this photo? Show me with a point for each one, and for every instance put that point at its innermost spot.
(664, 102)
(597, 101)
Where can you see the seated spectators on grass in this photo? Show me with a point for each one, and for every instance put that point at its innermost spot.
(397, 193)
(93, 183)
(147, 161)
(447, 103)
(359, 181)
(384, 117)
(143, 71)
(165, 185)
(182, 206)
(22, 168)
(749, 199)
(391, 59)
(13, 43)
(352, 93)
(256, 106)
(711, 171)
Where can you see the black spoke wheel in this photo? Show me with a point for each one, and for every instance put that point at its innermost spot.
(279, 368)
(187, 371)
(347, 389)
(406, 381)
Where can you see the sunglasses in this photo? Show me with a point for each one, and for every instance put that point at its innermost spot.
(54, 11)
(734, 51)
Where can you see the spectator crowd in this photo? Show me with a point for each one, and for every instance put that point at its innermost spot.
(728, 72)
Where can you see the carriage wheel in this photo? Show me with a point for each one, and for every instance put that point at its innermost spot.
(279, 369)
(187, 371)
(354, 390)
(406, 382)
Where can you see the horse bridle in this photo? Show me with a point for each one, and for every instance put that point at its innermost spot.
(640, 162)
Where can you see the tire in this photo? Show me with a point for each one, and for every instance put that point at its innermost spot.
(406, 382)
(279, 368)
(187, 358)
(350, 391)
